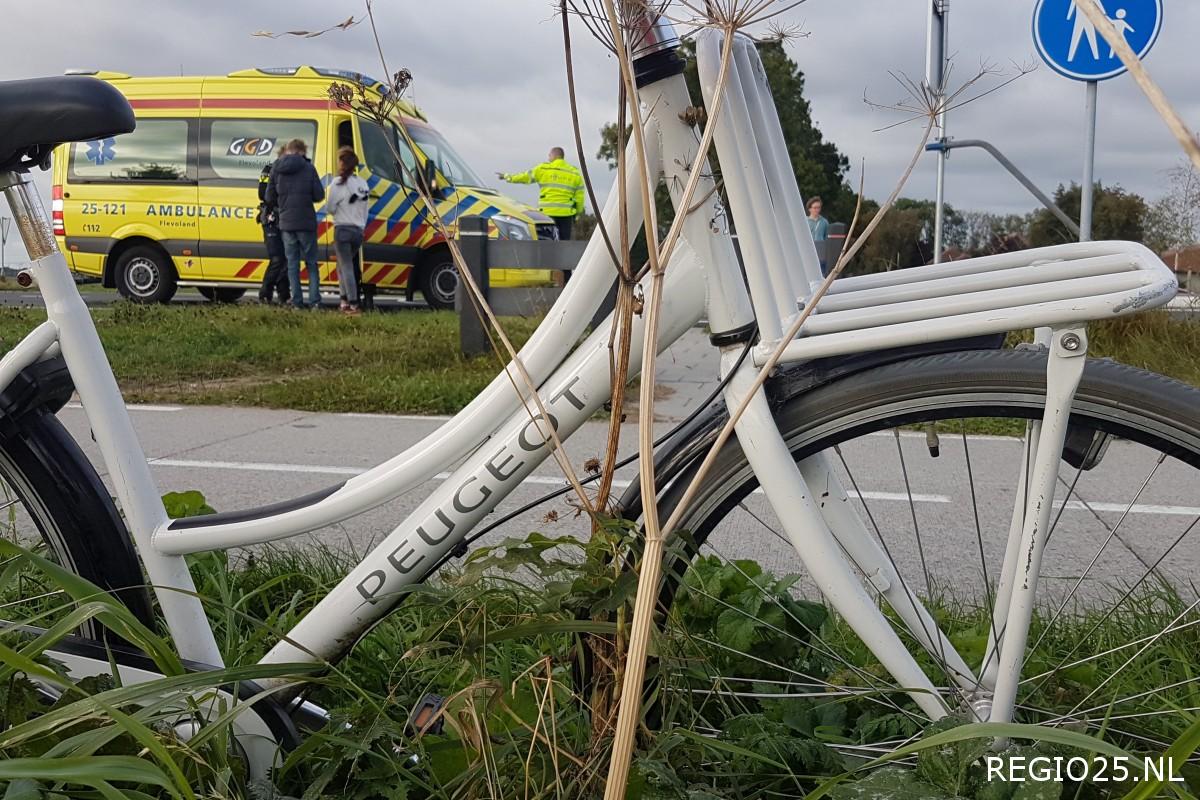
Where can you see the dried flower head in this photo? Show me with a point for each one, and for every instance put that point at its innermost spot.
(341, 95)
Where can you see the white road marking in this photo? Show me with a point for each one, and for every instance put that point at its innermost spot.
(1119, 508)
(136, 407)
(949, 435)
(255, 466)
(536, 480)
(407, 417)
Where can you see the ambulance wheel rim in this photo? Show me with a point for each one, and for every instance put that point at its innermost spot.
(445, 282)
(142, 276)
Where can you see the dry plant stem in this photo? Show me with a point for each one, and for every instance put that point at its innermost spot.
(378, 44)
(710, 129)
(650, 569)
(583, 167)
(385, 117)
(622, 331)
(530, 391)
(618, 340)
(794, 329)
(635, 662)
(1153, 93)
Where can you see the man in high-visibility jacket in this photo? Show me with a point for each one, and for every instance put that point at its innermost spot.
(560, 186)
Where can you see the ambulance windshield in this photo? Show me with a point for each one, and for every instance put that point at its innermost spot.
(449, 162)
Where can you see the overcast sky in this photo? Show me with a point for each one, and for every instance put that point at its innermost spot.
(489, 75)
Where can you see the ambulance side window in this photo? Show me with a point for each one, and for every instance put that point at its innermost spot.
(158, 151)
(237, 149)
(379, 158)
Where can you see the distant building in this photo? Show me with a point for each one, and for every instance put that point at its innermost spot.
(1186, 263)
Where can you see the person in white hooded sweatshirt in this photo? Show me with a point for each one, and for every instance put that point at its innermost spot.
(347, 204)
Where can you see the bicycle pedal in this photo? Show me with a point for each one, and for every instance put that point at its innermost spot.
(426, 717)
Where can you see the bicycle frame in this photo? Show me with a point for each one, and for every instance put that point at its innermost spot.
(1059, 288)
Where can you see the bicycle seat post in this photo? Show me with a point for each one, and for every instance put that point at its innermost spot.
(29, 214)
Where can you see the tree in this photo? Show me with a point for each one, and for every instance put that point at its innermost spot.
(905, 236)
(983, 233)
(1173, 221)
(1116, 214)
(819, 166)
(896, 243)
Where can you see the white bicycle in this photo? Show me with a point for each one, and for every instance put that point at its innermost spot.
(861, 464)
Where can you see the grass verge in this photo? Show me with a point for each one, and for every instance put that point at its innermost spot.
(406, 362)
(261, 356)
(506, 653)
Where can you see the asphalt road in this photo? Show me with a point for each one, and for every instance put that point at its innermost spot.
(241, 458)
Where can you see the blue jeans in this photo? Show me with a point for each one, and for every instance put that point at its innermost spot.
(302, 246)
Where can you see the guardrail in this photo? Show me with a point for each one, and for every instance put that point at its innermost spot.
(483, 254)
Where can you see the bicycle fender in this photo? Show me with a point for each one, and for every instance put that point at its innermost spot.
(42, 385)
(693, 440)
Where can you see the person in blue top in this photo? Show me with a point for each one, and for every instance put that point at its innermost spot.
(295, 189)
(818, 226)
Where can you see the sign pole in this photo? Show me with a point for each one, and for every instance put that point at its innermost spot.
(935, 76)
(4, 221)
(1089, 165)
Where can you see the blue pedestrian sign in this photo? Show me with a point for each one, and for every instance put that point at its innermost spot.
(1068, 41)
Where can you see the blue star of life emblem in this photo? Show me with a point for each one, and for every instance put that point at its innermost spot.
(101, 150)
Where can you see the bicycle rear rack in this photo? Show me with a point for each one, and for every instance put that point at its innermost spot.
(1042, 287)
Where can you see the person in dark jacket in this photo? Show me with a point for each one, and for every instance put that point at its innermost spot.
(275, 279)
(294, 189)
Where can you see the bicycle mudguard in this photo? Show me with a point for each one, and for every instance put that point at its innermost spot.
(44, 384)
(792, 380)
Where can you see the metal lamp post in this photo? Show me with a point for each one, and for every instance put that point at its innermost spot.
(936, 50)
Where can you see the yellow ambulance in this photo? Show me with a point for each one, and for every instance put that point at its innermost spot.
(174, 203)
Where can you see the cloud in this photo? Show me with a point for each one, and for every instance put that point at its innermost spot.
(489, 75)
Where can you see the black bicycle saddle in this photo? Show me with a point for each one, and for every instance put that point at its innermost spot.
(38, 114)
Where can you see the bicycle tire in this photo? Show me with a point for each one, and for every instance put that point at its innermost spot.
(1115, 399)
(72, 510)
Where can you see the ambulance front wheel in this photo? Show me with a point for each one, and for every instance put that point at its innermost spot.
(439, 283)
(145, 274)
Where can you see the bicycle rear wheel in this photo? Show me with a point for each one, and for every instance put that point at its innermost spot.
(930, 452)
(50, 495)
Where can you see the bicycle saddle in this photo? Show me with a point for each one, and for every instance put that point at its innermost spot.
(38, 114)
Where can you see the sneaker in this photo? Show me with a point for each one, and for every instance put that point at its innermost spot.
(343, 306)
(351, 311)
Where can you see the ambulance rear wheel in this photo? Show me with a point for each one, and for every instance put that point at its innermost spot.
(439, 283)
(145, 275)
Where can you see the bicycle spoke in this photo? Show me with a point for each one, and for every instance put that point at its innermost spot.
(1128, 593)
(814, 637)
(987, 583)
(880, 695)
(946, 669)
(1103, 546)
(1119, 670)
(912, 507)
(1113, 628)
(1097, 656)
(1131, 698)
